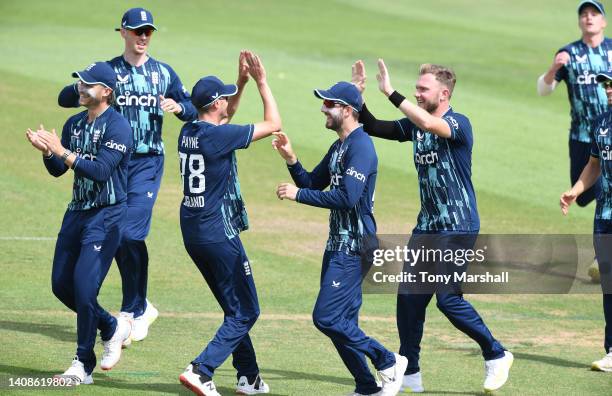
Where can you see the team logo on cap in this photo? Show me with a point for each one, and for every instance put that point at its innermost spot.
(88, 68)
(143, 15)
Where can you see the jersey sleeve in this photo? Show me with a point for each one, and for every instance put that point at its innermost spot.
(360, 160)
(594, 147)
(69, 96)
(318, 179)
(461, 129)
(114, 146)
(178, 92)
(230, 137)
(406, 126)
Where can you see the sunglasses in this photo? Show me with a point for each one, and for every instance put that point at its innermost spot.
(607, 84)
(330, 104)
(147, 31)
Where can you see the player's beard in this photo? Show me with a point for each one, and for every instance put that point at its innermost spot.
(89, 97)
(334, 122)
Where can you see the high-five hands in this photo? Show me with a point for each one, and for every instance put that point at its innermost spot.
(358, 75)
(384, 81)
(282, 144)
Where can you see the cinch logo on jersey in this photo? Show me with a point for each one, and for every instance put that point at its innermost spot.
(586, 78)
(136, 100)
(359, 176)
(426, 159)
(116, 146)
(606, 154)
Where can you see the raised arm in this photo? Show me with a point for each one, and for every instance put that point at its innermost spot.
(243, 77)
(548, 81)
(272, 120)
(318, 179)
(420, 117)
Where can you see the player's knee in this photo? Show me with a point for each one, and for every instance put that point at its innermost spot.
(59, 289)
(447, 302)
(322, 321)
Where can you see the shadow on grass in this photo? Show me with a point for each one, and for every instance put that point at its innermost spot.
(551, 360)
(61, 333)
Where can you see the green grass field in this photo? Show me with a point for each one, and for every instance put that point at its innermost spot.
(520, 166)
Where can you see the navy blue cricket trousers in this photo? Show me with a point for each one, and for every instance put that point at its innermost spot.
(84, 251)
(602, 242)
(336, 315)
(144, 178)
(225, 267)
(411, 307)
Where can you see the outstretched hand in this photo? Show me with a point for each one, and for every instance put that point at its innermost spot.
(35, 140)
(243, 68)
(567, 198)
(255, 67)
(282, 144)
(384, 81)
(358, 75)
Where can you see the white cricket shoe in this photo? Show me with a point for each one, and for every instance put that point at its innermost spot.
(497, 371)
(244, 388)
(604, 364)
(391, 378)
(112, 347)
(130, 317)
(76, 375)
(142, 323)
(193, 381)
(413, 383)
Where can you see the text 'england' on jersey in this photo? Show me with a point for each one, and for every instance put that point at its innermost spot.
(137, 98)
(212, 209)
(587, 98)
(444, 168)
(109, 131)
(601, 147)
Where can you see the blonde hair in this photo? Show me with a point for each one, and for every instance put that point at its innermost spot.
(445, 75)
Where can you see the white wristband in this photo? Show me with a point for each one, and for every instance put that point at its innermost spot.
(545, 89)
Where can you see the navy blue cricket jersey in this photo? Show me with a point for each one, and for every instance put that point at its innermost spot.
(212, 209)
(137, 98)
(444, 168)
(587, 98)
(601, 148)
(103, 150)
(349, 168)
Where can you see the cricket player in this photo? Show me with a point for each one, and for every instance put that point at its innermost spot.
(213, 215)
(442, 149)
(146, 88)
(96, 145)
(349, 169)
(600, 164)
(577, 64)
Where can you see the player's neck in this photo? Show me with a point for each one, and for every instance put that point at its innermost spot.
(593, 40)
(211, 118)
(135, 59)
(347, 128)
(441, 110)
(95, 112)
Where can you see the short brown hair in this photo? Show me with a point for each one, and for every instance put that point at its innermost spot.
(445, 75)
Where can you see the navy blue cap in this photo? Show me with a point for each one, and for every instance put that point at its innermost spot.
(604, 76)
(343, 92)
(593, 3)
(98, 73)
(210, 88)
(135, 18)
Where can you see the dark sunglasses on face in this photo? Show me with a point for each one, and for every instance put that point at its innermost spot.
(330, 104)
(147, 31)
(607, 84)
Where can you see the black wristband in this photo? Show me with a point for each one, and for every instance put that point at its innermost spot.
(396, 98)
